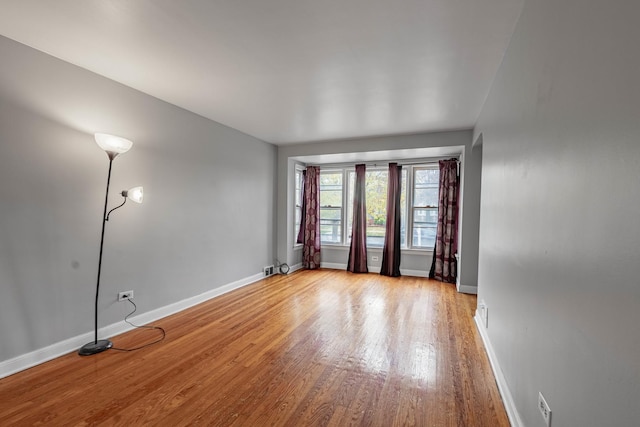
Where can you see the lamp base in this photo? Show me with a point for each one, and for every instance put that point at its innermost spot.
(95, 347)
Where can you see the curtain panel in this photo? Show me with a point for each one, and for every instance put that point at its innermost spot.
(443, 266)
(358, 251)
(311, 215)
(391, 249)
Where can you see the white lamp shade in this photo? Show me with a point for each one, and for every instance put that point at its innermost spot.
(113, 144)
(135, 194)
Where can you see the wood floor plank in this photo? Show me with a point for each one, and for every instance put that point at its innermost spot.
(313, 348)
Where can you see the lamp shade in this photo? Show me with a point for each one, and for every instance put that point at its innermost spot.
(135, 194)
(113, 145)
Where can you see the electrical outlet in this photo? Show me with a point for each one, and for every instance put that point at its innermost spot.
(544, 409)
(375, 258)
(123, 296)
(483, 310)
(268, 270)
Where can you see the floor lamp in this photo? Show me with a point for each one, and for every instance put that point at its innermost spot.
(112, 145)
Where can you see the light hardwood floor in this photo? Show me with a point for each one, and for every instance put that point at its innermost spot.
(321, 347)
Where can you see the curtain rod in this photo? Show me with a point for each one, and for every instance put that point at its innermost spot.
(386, 162)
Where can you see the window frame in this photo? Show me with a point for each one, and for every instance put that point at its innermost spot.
(342, 239)
(298, 169)
(411, 208)
(346, 207)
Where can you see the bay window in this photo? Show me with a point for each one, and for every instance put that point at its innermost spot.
(418, 205)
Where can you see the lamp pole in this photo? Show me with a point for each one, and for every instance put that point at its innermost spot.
(98, 346)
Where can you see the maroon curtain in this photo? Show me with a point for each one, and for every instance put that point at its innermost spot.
(444, 266)
(303, 213)
(391, 250)
(311, 203)
(358, 252)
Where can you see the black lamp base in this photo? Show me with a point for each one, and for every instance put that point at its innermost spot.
(95, 347)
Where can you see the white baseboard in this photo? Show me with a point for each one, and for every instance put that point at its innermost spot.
(467, 289)
(507, 398)
(374, 269)
(414, 273)
(333, 265)
(41, 355)
(295, 267)
(28, 360)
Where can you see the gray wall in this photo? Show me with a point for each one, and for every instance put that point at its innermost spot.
(413, 261)
(207, 219)
(560, 216)
(471, 212)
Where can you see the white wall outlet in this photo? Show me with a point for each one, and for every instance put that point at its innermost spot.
(123, 296)
(483, 311)
(375, 258)
(268, 270)
(544, 409)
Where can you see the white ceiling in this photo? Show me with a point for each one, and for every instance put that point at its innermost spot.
(286, 71)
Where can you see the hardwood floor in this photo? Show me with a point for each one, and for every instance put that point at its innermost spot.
(321, 347)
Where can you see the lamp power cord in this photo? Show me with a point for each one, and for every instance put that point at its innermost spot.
(126, 319)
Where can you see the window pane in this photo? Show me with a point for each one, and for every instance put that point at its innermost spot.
(376, 199)
(429, 176)
(298, 218)
(298, 188)
(424, 227)
(352, 181)
(297, 203)
(331, 189)
(403, 210)
(330, 225)
(425, 185)
(331, 198)
(332, 214)
(331, 207)
(425, 197)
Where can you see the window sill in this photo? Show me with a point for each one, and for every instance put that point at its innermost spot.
(335, 246)
(378, 249)
(417, 251)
